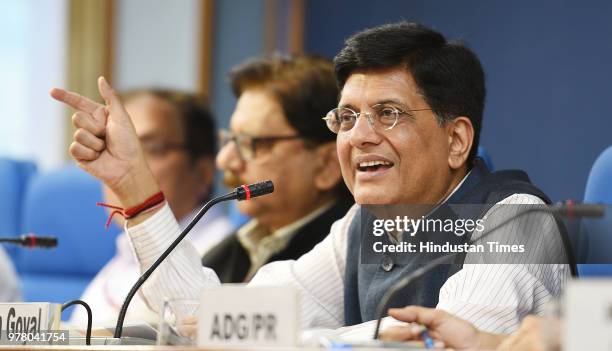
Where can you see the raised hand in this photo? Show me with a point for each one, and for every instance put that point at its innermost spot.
(106, 145)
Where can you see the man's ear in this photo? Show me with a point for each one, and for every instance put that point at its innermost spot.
(461, 140)
(204, 168)
(327, 174)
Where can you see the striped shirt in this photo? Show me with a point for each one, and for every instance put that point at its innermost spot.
(261, 243)
(106, 292)
(494, 297)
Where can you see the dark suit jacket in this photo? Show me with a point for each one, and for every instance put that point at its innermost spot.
(231, 261)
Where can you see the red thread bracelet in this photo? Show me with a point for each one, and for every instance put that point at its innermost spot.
(132, 212)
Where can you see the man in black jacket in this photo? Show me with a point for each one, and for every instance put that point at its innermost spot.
(276, 133)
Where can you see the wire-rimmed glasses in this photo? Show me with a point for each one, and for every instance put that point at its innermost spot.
(383, 117)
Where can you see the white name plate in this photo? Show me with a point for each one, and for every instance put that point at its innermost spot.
(234, 314)
(588, 315)
(29, 317)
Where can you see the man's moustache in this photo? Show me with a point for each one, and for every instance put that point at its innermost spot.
(231, 181)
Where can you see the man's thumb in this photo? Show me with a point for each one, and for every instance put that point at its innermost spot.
(113, 103)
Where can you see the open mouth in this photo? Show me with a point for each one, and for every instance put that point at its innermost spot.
(374, 166)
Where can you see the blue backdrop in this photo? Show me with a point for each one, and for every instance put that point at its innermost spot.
(549, 74)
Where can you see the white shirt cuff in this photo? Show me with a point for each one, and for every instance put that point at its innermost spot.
(151, 237)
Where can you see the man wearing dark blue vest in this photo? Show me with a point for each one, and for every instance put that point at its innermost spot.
(422, 99)
(408, 125)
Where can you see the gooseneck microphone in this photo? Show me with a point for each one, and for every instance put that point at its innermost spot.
(567, 210)
(247, 192)
(243, 192)
(32, 241)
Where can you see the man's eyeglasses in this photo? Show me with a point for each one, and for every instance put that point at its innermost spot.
(247, 145)
(383, 117)
(159, 149)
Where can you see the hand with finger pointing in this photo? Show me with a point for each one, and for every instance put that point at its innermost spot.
(106, 145)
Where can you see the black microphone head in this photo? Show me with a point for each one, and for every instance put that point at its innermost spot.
(39, 241)
(572, 210)
(247, 192)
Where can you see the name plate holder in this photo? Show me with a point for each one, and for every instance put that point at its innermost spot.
(588, 315)
(237, 315)
(28, 320)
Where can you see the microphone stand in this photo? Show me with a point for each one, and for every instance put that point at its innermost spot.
(244, 192)
(569, 210)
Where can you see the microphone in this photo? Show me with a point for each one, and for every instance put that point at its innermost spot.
(568, 209)
(32, 241)
(243, 192)
(246, 192)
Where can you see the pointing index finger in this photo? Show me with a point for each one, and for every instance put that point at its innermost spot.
(75, 100)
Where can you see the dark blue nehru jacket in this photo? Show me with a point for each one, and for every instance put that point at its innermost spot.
(365, 284)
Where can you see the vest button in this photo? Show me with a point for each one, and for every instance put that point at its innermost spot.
(387, 264)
